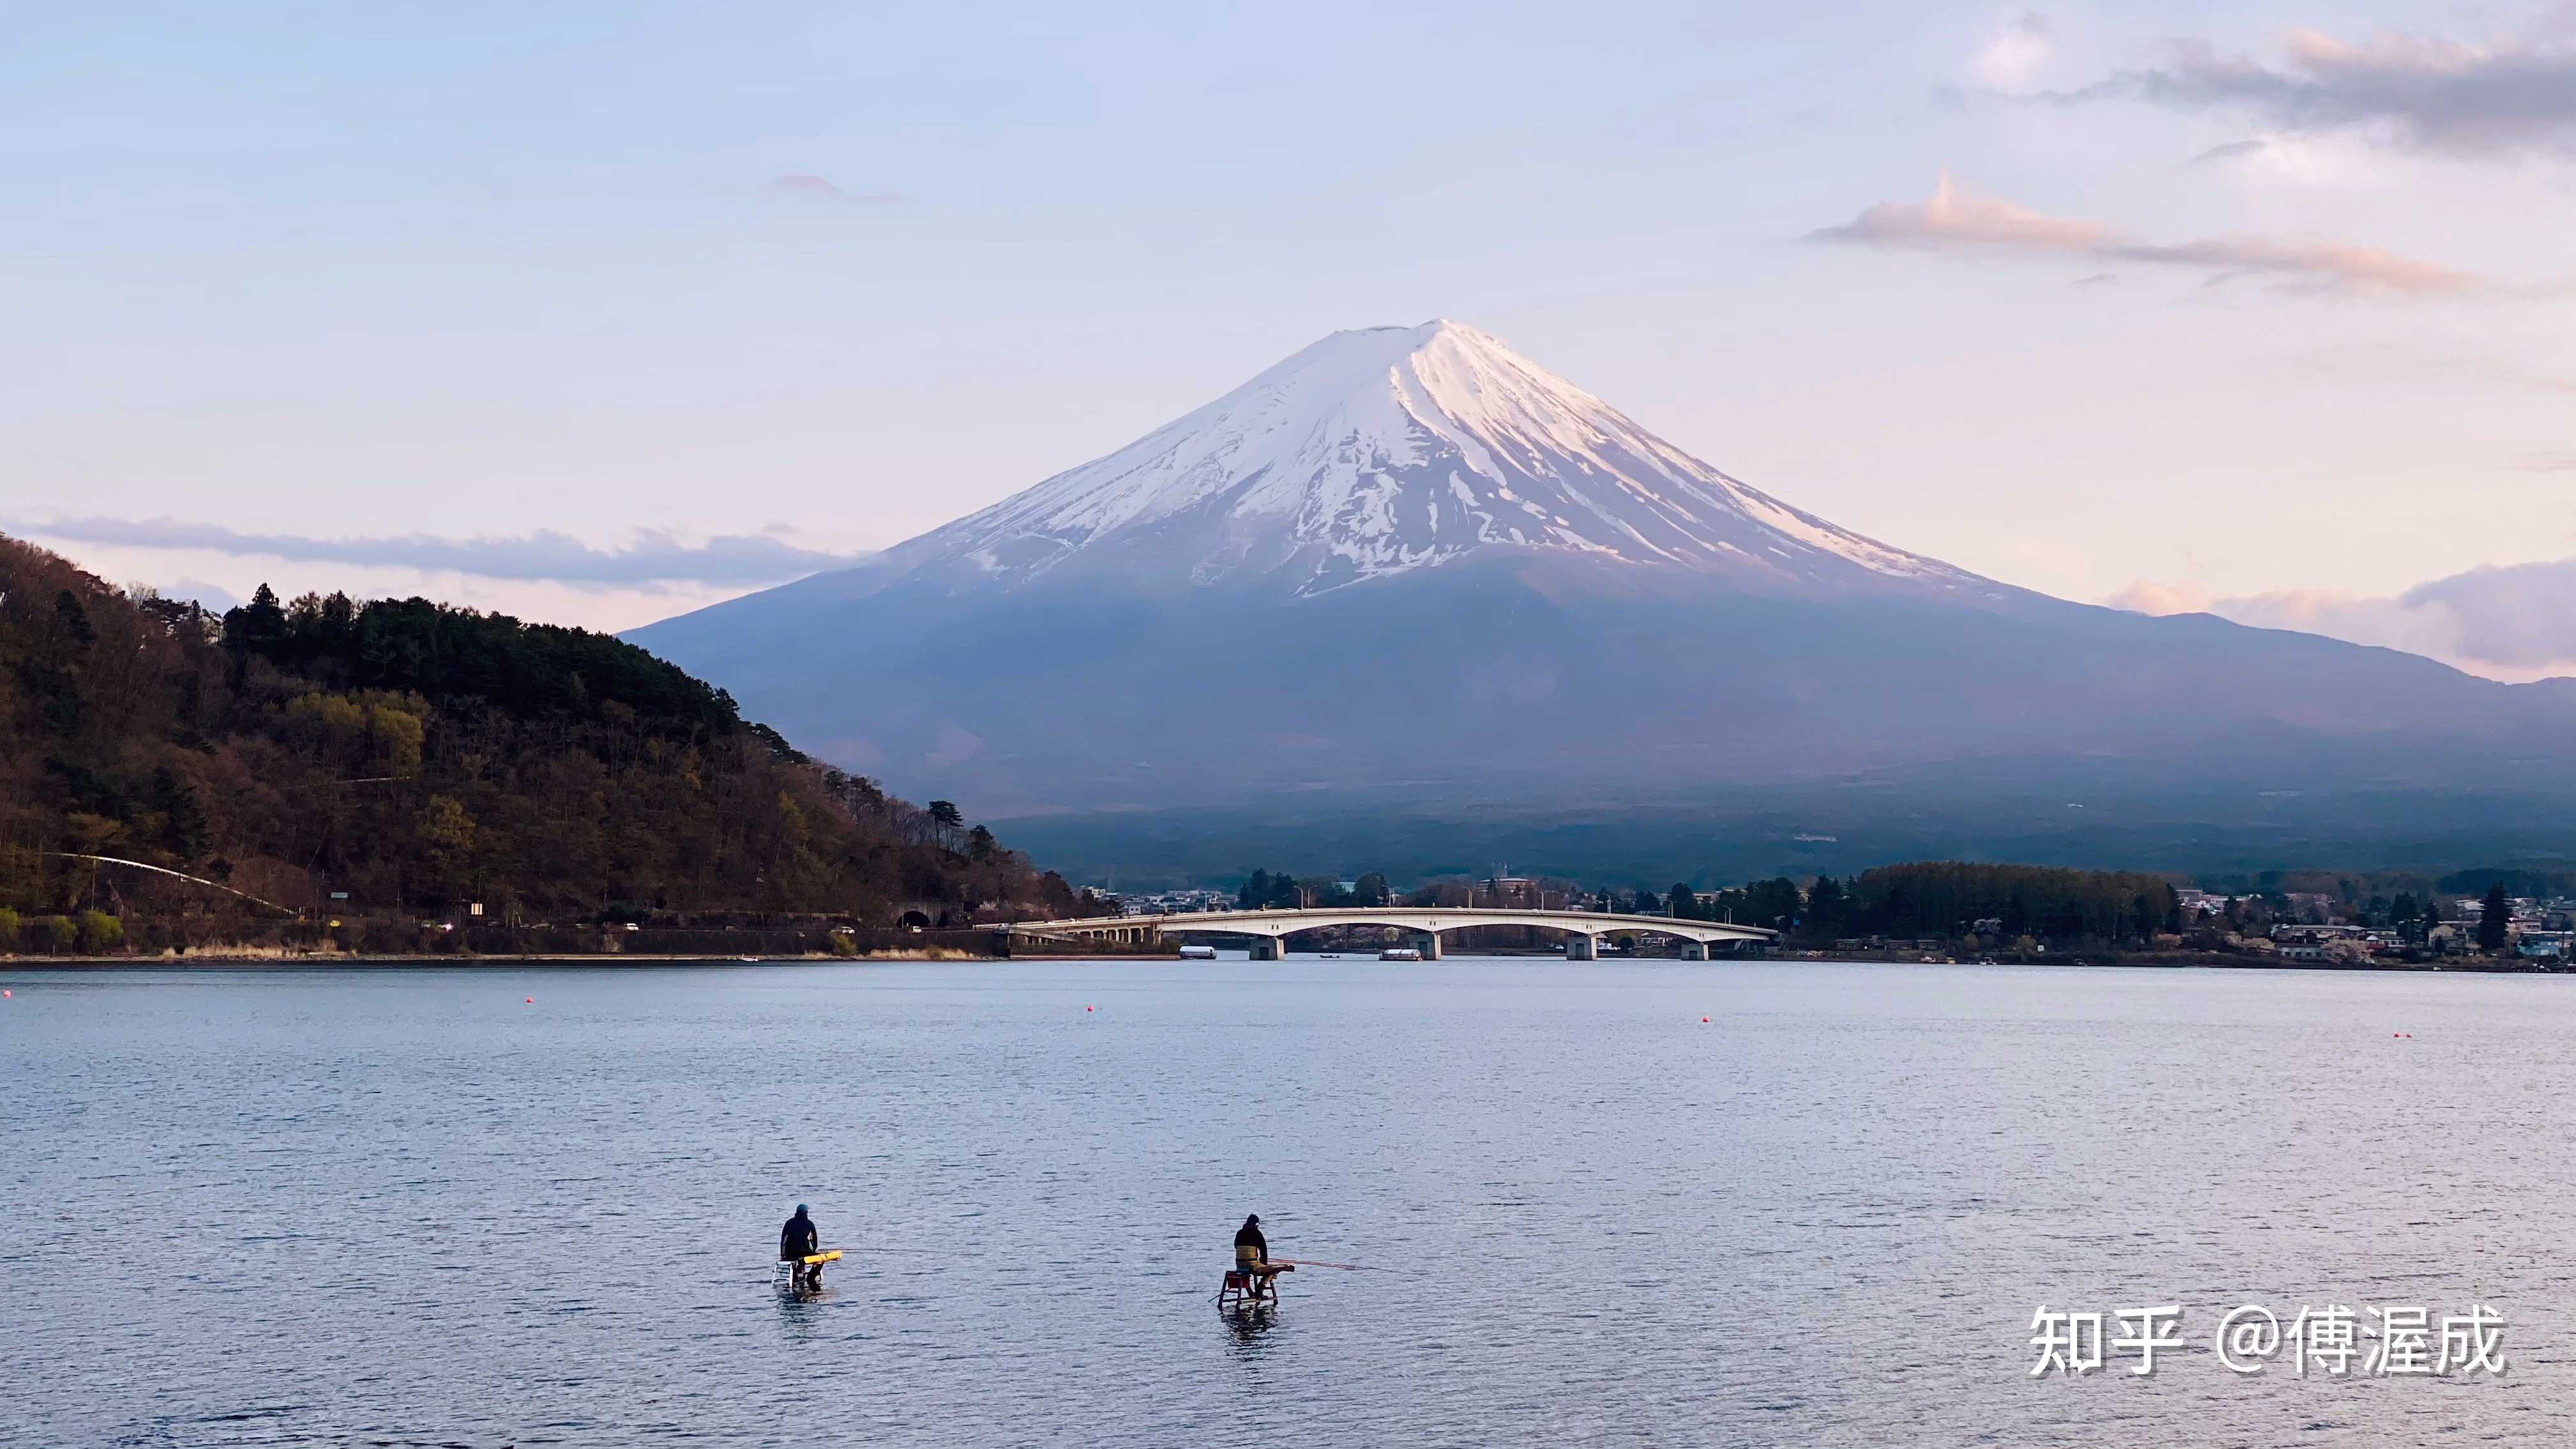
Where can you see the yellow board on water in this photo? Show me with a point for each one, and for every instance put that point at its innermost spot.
(816, 1260)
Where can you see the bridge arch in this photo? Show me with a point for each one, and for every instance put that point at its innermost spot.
(1424, 924)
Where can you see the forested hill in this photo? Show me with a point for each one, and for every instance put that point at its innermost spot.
(418, 757)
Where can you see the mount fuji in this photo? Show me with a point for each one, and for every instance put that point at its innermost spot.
(1408, 572)
(1377, 452)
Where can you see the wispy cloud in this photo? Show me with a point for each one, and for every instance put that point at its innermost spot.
(2419, 91)
(2514, 621)
(1956, 219)
(2016, 52)
(805, 184)
(2230, 151)
(653, 557)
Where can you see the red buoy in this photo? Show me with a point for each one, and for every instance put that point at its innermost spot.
(532, 1001)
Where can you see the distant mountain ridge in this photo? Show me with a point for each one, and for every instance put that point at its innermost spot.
(1406, 565)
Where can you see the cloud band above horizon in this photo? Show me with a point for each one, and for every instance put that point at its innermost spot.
(654, 557)
(2510, 621)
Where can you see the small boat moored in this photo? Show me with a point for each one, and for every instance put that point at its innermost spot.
(1198, 953)
(1399, 953)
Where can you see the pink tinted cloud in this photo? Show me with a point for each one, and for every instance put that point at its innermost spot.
(1957, 217)
(802, 183)
(1959, 220)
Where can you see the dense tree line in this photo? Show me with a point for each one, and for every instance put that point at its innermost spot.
(1263, 891)
(1950, 898)
(1930, 899)
(417, 757)
(2540, 883)
(1772, 903)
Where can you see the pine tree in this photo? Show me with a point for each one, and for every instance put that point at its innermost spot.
(74, 619)
(257, 626)
(2493, 918)
(1824, 913)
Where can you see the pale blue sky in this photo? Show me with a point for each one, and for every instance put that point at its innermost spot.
(834, 274)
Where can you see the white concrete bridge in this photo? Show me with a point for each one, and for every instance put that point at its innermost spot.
(1269, 930)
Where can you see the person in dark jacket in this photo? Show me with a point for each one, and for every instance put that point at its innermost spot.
(1252, 1254)
(798, 1241)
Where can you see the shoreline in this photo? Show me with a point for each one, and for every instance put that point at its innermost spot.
(217, 961)
(221, 961)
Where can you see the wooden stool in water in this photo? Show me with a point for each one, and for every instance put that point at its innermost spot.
(803, 1275)
(1247, 1288)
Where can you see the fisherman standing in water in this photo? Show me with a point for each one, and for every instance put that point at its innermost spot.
(1252, 1254)
(796, 1242)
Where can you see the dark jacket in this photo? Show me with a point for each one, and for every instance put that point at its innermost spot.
(798, 1239)
(1249, 1236)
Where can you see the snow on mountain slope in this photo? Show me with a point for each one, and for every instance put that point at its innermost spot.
(1405, 565)
(1395, 448)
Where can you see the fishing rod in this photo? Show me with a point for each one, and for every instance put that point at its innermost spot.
(839, 1254)
(1317, 1263)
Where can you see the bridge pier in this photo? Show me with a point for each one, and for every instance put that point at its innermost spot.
(1428, 943)
(1265, 948)
(1694, 950)
(1580, 947)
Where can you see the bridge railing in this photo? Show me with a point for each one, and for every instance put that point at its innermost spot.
(1433, 919)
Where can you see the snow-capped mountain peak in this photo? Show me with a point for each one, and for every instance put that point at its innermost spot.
(1387, 449)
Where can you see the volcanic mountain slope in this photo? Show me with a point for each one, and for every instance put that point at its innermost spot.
(1407, 564)
(1391, 449)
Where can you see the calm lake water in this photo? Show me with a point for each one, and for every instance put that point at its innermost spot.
(410, 1207)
